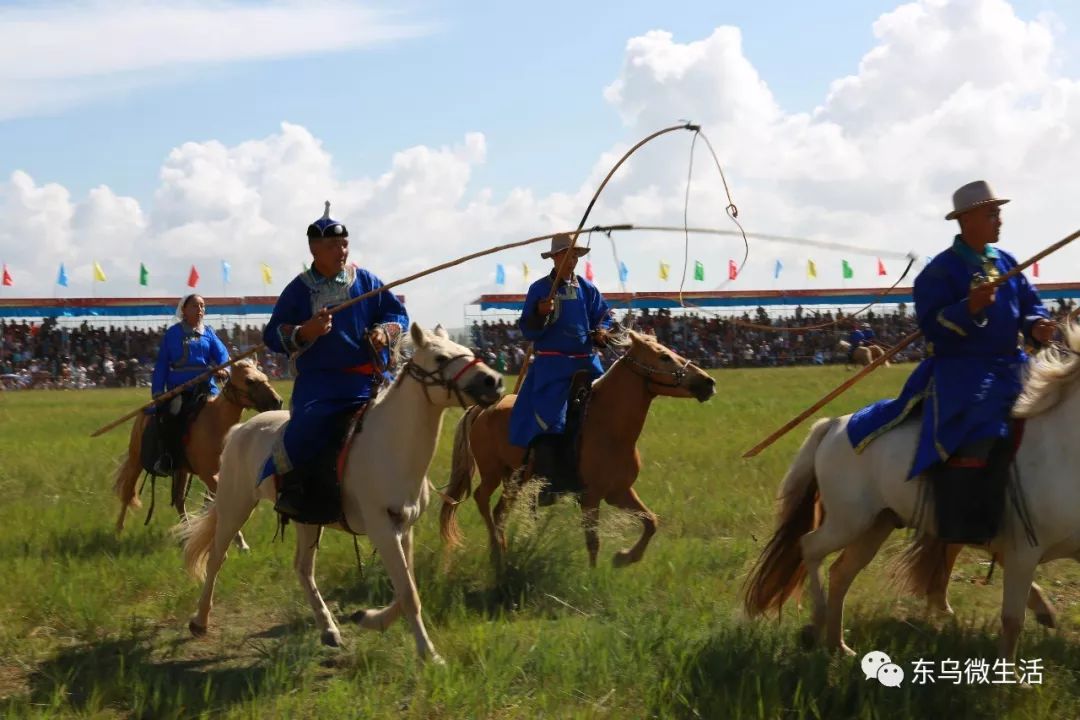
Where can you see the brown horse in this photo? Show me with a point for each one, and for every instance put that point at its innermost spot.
(862, 355)
(247, 387)
(608, 464)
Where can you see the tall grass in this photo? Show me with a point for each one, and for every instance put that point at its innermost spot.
(94, 625)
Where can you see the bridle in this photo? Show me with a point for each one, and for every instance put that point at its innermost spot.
(647, 373)
(437, 377)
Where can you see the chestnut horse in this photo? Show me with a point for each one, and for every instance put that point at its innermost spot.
(608, 463)
(247, 387)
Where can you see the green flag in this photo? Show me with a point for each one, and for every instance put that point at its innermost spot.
(144, 275)
(699, 270)
(848, 272)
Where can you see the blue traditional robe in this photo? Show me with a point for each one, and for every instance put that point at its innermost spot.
(562, 345)
(971, 376)
(335, 372)
(185, 353)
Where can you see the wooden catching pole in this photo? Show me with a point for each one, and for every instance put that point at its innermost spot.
(798, 419)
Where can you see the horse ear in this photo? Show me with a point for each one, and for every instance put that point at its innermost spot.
(417, 335)
(441, 331)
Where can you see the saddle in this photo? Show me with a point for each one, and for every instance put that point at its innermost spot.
(971, 487)
(166, 435)
(556, 457)
(321, 482)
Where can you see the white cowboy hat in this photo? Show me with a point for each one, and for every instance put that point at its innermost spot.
(971, 196)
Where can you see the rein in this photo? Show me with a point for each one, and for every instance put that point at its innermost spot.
(646, 372)
(437, 377)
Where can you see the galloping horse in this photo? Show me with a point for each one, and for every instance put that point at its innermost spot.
(247, 387)
(864, 354)
(864, 497)
(609, 462)
(384, 486)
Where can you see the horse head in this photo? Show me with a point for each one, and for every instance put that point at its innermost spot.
(666, 372)
(250, 388)
(439, 362)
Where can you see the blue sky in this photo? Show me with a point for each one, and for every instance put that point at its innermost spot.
(136, 132)
(528, 75)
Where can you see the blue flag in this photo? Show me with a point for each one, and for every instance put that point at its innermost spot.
(500, 275)
(225, 268)
(779, 267)
(61, 277)
(624, 272)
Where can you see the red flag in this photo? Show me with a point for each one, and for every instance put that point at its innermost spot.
(881, 267)
(588, 271)
(732, 270)
(1036, 273)
(7, 281)
(193, 277)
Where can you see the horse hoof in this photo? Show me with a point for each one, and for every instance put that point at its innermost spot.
(1047, 620)
(358, 617)
(845, 650)
(196, 629)
(436, 659)
(331, 639)
(808, 637)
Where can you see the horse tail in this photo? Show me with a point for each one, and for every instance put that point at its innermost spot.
(197, 533)
(779, 571)
(920, 568)
(462, 467)
(127, 472)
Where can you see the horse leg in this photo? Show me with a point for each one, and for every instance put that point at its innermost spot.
(502, 508)
(307, 545)
(393, 544)
(815, 547)
(937, 599)
(852, 560)
(229, 522)
(590, 521)
(211, 483)
(1045, 614)
(628, 500)
(1019, 574)
(126, 480)
(482, 496)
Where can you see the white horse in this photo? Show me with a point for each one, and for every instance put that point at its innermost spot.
(865, 497)
(385, 484)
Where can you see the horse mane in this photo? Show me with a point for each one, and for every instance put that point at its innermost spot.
(1049, 374)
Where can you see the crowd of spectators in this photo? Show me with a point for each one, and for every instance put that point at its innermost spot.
(52, 355)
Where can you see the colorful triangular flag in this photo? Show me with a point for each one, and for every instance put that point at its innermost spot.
(777, 269)
(624, 272)
(732, 270)
(525, 271)
(811, 269)
(1035, 269)
(500, 275)
(61, 276)
(881, 268)
(7, 280)
(845, 268)
(588, 271)
(99, 274)
(268, 276)
(699, 270)
(226, 270)
(193, 277)
(144, 275)
(665, 270)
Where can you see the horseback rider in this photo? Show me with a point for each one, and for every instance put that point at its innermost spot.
(972, 372)
(187, 349)
(336, 358)
(564, 331)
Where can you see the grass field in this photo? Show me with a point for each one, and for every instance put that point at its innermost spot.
(95, 625)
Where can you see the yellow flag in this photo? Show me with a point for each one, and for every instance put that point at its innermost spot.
(811, 269)
(99, 274)
(525, 270)
(268, 277)
(665, 270)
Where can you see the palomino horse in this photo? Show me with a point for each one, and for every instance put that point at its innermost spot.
(385, 486)
(864, 497)
(609, 462)
(247, 387)
(864, 354)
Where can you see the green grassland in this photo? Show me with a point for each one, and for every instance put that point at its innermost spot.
(94, 624)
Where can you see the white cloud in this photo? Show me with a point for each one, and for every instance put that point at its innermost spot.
(57, 54)
(953, 91)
